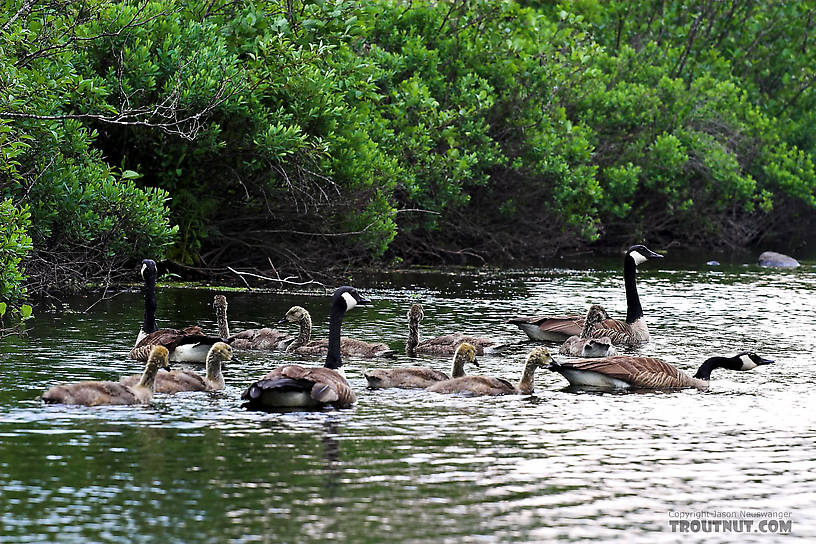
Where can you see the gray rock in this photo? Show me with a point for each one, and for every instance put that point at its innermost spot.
(777, 260)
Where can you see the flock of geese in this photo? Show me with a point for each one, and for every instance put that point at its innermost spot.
(594, 337)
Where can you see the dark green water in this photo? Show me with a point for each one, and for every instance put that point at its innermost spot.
(410, 466)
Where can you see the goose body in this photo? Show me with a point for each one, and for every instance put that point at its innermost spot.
(301, 387)
(584, 345)
(492, 386)
(446, 344)
(549, 328)
(100, 393)
(187, 345)
(176, 381)
(349, 347)
(418, 377)
(631, 332)
(263, 339)
(624, 372)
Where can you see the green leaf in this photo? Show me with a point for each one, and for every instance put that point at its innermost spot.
(130, 174)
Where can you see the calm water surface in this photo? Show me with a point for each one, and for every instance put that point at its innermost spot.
(410, 466)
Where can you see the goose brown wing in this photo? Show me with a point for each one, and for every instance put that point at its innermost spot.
(568, 325)
(619, 332)
(90, 394)
(360, 348)
(166, 337)
(175, 381)
(171, 339)
(647, 372)
(321, 382)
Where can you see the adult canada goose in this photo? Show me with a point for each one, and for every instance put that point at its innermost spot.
(445, 344)
(585, 346)
(177, 381)
(105, 393)
(420, 377)
(349, 347)
(648, 372)
(632, 332)
(189, 345)
(295, 386)
(265, 339)
(488, 385)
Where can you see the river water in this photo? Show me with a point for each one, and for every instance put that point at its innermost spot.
(410, 466)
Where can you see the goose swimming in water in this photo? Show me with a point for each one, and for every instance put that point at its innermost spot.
(624, 372)
(445, 344)
(584, 345)
(349, 347)
(108, 393)
(419, 377)
(264, 339)
(176, 381)
(188, 345)
(488, 385)
(302, 387)
(631, 332)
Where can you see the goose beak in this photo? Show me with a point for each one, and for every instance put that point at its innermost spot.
(764, 361)
(282, 320)
(363, 300)
(476, 363)
(653, 255)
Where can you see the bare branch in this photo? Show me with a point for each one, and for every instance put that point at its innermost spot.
(283, 281)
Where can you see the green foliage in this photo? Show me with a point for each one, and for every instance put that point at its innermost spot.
(322, 132)
(15, 244)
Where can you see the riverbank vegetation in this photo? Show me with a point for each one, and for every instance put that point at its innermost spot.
(297, 135)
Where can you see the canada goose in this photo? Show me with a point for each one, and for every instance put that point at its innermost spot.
(258, 339)
(189, 345)
(349, 347)
(105, 393)
(295, 386)
(419, 377)
(583, 345)
(488, 385)
(445, 344)
(648, 372)
(177, 381)
(632, 332)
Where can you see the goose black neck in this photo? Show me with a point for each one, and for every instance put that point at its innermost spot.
(633, 309)
(704, 372)
(149, 291)
(333, 357)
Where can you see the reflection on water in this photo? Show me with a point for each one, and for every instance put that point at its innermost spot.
(410, 466)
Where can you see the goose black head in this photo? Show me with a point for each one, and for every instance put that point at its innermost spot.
(416, 313)
(348, 297)
(148, 270)
(748, 360)
(640, 254)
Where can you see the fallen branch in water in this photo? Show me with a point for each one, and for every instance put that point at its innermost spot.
(283, 281)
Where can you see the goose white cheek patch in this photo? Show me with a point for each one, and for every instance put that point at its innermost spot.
(351, 302)
(639, 259)
(747, 363)
(144, 267)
